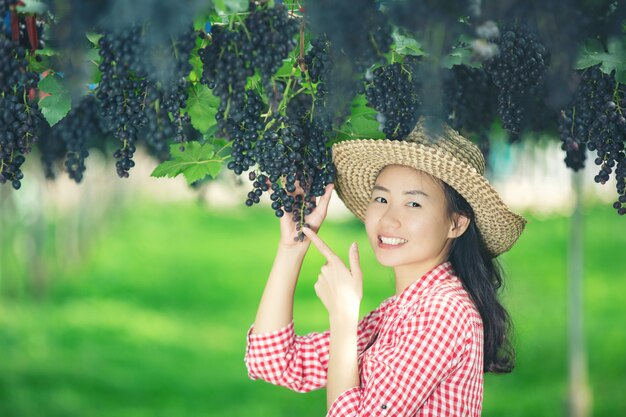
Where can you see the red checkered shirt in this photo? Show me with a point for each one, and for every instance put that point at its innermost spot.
(419, 354)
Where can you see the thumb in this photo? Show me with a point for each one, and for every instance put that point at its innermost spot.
(355, 265)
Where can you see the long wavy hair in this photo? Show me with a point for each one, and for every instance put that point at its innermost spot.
(481, 275)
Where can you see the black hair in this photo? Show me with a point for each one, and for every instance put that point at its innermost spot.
(481, 275)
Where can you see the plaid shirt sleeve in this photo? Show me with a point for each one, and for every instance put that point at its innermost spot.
(299, 363)
(399, 376)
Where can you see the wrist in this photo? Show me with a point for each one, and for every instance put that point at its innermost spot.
(344, 319)
(296, 247)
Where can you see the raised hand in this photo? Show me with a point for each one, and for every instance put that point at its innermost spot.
(339, 288)
(289, 229)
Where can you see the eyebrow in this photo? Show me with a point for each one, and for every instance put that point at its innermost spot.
(410, 192)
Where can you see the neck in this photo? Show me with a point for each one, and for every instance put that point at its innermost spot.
(408, 274)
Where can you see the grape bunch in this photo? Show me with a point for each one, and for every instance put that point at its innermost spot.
(245, 133)
(575, 121)
(517, 71)
(132, 103)
(19, 121)
(259, 43)
(355, 29)
(122, 93)
(595, 120)
(14, 67)
(70, 140)
(19, 117)
(318, 69)
(607, 136)
(394, 91)
(286, 149)
(470, 102)
(356, 35)
(469, 99)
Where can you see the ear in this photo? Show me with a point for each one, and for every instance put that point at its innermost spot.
(459, 225)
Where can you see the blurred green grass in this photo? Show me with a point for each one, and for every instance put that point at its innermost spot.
(152, 322)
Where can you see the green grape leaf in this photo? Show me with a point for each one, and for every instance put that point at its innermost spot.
(362, 122)
(613, 59)
(55, 106)
(202, 107)
(461, 55)
(405, 45)
(94, 38)
(196, 162)
(285, 70)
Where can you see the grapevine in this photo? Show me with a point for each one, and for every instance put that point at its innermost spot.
(265, 90)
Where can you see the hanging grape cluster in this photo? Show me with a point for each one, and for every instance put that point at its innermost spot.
(132, 103)
(273, 126)
(259, 42)
(470, 102)
(19, 115)
(517, 71)
(596, 121)
(281, 103)
(394, 91)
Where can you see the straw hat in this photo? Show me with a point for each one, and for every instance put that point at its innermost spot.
(440, 151)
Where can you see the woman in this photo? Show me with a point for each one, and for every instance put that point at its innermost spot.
(429, 214)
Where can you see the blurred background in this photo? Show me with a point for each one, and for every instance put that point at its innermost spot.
(132, 297)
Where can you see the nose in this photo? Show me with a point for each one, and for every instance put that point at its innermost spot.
(390, 219)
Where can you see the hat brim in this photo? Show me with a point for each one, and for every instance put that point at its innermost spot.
(358, 163)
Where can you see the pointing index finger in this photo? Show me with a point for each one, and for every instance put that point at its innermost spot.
(319, 243)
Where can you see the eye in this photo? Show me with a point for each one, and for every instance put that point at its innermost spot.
(376, 199)
(414, 204)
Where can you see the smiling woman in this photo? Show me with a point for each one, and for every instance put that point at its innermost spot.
(429, 214)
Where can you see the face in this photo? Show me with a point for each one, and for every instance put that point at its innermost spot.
(409, 207)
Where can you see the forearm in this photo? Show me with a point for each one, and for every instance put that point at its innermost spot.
(343, 369)
(276, 307)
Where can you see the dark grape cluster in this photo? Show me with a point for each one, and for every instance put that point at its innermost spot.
(165, 118)
(469, 99)
(518, 71)
(134, 105)
(607, 136)
(122, 94)
(13, 66)
(319, 65)
(596, 121)
(19, 121)
(19, 117)
(272, 126)
(244, 134)
(69, 141)
(355, 29)
(259, 43)
(575, 121)
(356, 35)
(470, 103)
(394, 91)
(287, 149)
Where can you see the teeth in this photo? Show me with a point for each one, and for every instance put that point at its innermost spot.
(392, 241)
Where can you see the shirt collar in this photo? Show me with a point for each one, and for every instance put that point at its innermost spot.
(413, 292)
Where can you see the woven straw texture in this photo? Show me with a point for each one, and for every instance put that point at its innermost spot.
(440, 152)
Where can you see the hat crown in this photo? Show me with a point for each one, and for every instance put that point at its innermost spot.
(435, 134)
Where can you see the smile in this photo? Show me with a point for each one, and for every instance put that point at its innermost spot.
(390, 242)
